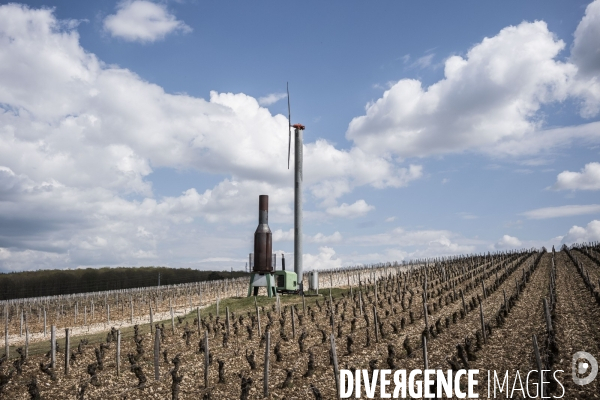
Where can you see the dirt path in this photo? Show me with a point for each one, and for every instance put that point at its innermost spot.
(510, 348)
(577, 325)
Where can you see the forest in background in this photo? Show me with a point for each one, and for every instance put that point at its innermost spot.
(15, 285)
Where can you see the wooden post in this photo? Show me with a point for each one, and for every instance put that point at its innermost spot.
(26, 342)
(425, 360)
(303, 304)
(548, 317)
(156, 354)
(483, 289)
(52, 347)
(454, 290)
(539, 365)
(118, 360)
(505, 303)
(67, 345)
(266, 370)
(172, 321)
(293, 324)
(206, 359)
(151, 320)
(331, 316)
(360, 302)
(84, 318)
(425, 311)
(45, 326)
(336, 370)
(375, 323)
(6, 345)
(517, 285)
(278, 304)
(131, 309)
(198, 317)
(257, 317)
(482, 322)
(462, 296)
(227, 319)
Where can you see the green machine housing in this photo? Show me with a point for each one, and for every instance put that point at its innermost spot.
(286, 281)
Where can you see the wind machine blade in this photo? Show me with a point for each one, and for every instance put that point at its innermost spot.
(289, 124)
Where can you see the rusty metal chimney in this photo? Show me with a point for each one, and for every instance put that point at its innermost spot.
(263, 242)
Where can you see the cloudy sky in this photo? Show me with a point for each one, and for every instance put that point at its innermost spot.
(142, 132)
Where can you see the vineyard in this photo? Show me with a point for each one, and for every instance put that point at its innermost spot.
(513, 311)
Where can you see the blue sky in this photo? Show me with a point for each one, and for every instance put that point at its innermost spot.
(142, 133)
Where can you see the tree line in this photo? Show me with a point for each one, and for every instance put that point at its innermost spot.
(15, 285)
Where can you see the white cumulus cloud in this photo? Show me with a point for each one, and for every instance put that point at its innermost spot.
(357, 209)
(508, 242)
(143, 21)
(578, 234)
(586, 46)
(403, 243)
(489, 100)
(587, 179)
(325, 259)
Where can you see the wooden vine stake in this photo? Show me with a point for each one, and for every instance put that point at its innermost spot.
(257, 317)
(293, 324)
(266, 371)
(336, 370)
(375, 323)
(156, 354)
(482, 322)
(483, 289)
(172, 321)
(198, 317)
(67, 351)
(26, 342)
(539, 365)
(52, 347)
(548, 317)
(206, 359)
(303, 304)
(360, 302)
(227, 319)
(425, 360)
(118, 356)
(425, 311)
(6, 345)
